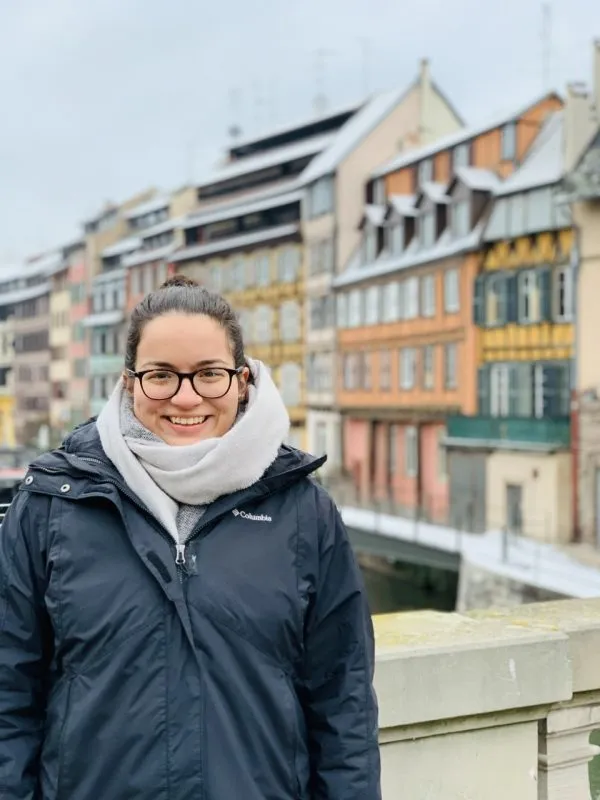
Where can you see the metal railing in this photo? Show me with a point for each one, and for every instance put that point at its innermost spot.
(3, 509)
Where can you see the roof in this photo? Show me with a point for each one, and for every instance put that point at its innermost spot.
(239, 209)
(414, 256)
(436, 192)
(479, 180)
(48, 264)
(235, 242)
(160, 227)
(103, 318)
(353, 132)
(157, 204)
(271, 158)
(415, 155)
(122, 247)
(146, 256)
(545, 162)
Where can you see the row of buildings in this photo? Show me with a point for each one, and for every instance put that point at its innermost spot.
(422, 290)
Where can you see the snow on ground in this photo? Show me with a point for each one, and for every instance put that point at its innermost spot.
(534, 563)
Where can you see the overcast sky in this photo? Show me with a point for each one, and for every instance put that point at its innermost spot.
(101, 98)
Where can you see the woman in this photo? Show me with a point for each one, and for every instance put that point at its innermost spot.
(181, 615)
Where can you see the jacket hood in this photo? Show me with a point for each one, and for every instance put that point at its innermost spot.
(81, 452)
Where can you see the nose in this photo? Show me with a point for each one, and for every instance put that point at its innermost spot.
(186, 397)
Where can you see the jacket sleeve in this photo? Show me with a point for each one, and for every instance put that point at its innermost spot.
(341, 707)
(24, 644)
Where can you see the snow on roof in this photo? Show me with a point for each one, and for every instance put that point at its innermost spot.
(374, 214)
(146, 256)
(239, 209)
(403, 204)
(436, 192)
(235, 242)
(544, 164)
(352, 133)
(123, 247)
(414, 256)
(160, 227)
(47, 264)
(272, 158)
(157, 204)
(26, 293)
(479, 180)
(415, 155)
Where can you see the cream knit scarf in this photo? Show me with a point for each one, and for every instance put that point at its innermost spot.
(171, 479)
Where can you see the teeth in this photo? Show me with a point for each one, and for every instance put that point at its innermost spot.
(187, 420)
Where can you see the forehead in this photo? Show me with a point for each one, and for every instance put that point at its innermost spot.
(183, 340)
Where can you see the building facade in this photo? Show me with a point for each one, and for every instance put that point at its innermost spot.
(510, 464)
(332, 209)
(60, 345)
(78, 348)
(9, 284)
(409, 349)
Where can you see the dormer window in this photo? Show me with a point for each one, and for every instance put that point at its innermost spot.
(427, 227)
(461, 156)
(460, 218)
(369, 244)
(395, 238)
(425, 171)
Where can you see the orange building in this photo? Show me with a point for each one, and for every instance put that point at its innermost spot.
(407, 344)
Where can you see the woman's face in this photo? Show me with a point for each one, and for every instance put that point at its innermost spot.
(185, 343)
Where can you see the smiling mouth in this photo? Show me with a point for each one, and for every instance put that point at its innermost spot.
(187, 421)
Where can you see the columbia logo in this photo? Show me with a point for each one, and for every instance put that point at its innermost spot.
(254, 517)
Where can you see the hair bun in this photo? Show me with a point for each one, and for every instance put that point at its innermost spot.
(179, 280)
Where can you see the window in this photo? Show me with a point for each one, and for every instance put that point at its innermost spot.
(215, 279)
(263, 270)
(393, 450)
(385, 370)
(372, 297)
(425, 171)
(288, 264)
(289, 321)
(395, 238)
(263, 324)
(365, 370)
(391, 302)
(321, 312)
(495, 300)
(540, 389)
(461, 218)
(355, 308)
(320, 438)
(451, 292)
(369, 244)
(238, 274)
(563, 291)
(250, 276)
(342, 310)
(450, 366)
(411, 298)
(351, 371)
(427, 228)
(461, 156)
(411, 451)
(408, 367)
(290, 384)
(319, 372)
(509, 142)
(246, 318)
(320, 197)
(428, 295)
(428, 367)
(529, 300)
(379, 192)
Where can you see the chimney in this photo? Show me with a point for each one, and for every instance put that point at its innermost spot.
(578, 123)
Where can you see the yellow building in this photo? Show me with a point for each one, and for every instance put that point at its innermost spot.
(8, 281)
(512, 463)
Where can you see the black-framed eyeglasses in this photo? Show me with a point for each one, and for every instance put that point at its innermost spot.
(208, 382)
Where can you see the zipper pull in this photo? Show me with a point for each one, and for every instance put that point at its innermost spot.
(180, 550)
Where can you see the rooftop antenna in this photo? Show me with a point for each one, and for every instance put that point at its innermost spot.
(320, 101)
(546, 46)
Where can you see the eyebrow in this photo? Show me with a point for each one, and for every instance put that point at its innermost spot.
(198, 365)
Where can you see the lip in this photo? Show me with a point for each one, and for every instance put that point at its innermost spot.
(187, 428)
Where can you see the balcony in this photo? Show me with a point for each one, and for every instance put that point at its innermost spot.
(462, 694)
(509, 433)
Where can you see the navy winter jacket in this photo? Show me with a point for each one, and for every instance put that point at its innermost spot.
(243, 674)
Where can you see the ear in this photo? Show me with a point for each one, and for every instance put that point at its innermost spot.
(128, 383)
(243, 384)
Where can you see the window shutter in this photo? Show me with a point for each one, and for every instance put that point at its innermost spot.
(513, 390)
(483, 390)
(512, 299)
(479, 300)
(525, 390)
(553, 378)
(544, 288)
(503, 299)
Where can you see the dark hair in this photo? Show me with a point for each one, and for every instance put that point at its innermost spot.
(185, 296)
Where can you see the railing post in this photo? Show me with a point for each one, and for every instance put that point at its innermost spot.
(565, 751)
